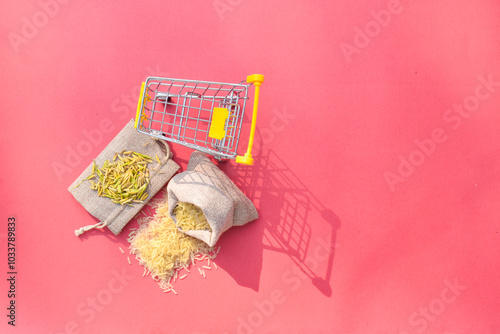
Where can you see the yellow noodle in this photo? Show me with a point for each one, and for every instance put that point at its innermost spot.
(190, 217)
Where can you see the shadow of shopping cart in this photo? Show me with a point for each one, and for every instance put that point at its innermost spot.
(290, 212)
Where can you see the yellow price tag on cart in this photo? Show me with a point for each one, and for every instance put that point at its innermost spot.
(219, 117)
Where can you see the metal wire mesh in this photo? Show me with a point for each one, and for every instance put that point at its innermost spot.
(181, 111)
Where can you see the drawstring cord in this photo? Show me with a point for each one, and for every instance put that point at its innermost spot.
(84, 229)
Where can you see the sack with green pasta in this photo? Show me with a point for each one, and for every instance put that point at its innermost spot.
(123, 178)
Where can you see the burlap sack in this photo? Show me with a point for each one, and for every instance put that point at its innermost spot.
(206, 186)
(116, 216)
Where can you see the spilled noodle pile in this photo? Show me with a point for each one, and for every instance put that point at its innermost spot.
(164, 251)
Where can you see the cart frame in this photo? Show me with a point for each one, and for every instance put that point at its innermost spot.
(203, 115)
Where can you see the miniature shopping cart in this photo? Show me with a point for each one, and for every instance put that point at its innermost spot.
(203, 115)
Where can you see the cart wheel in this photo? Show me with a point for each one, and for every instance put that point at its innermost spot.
(162, 97)
(256, 79)
(193, 94)
(245, 159)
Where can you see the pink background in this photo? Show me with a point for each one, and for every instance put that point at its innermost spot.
(361, 231)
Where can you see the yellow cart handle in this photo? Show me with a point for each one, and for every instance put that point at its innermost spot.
(138, 115)
(257, 80)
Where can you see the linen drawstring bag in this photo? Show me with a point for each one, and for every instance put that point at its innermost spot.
(206, 186)
(116, 216)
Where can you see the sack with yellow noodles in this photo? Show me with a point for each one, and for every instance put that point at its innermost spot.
(204, 185)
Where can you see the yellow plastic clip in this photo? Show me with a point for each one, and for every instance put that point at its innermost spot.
(257, 80)
(139, 109)
(219, 117)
